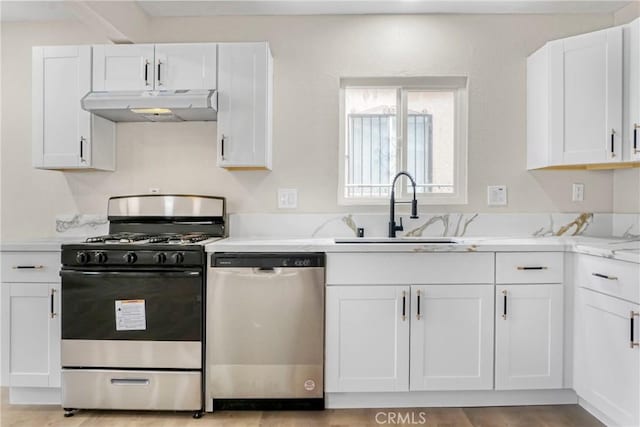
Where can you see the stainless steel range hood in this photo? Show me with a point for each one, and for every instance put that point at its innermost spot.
(153, 106)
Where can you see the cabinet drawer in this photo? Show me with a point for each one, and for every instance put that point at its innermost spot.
(30, 267)
(612, 277)
(529, 267)
(409, 268)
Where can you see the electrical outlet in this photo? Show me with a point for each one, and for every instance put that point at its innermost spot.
(497, 195)
(578, 193)
(287, 198)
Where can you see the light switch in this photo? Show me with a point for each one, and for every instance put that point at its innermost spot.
(287, 198)
(497, 195)
(578, 193)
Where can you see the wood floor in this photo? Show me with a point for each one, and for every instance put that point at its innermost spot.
(513, 416)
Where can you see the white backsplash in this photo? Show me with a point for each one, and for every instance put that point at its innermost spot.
(626, 225)
(293, 225)
(81, 225)
(452, 224)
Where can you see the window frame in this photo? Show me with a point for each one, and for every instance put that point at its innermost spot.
(403, 85)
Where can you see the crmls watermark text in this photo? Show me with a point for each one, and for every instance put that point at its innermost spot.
(384, 417)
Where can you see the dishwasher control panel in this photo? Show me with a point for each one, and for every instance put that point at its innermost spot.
(267, 260)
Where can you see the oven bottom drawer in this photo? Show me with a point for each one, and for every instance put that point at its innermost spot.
(139, 390)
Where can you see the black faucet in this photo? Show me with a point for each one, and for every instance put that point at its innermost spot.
(392, 208)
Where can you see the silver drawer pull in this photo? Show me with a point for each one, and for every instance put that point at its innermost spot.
(604, 276)
(28, 267)
(129, 381)
(532, 268)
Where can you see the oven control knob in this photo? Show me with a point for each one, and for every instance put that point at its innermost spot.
(82, 257)
(178, 258)
(101, 257)
(160, 258)
(130, 258)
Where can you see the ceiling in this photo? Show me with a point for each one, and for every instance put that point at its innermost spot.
(13, 11)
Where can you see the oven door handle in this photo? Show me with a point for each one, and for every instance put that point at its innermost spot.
(131, 273)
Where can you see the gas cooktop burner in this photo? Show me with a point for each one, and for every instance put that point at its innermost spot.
(179, 238)
(142, 238)
(118, 238)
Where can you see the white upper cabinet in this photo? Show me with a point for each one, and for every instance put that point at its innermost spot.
(185, 66)
(574, 101)
(631, 133)
(123, 67)
(529, 346)
(140, 67)
(245, 96)
(367, 342)
(451, 337)
(64, 136)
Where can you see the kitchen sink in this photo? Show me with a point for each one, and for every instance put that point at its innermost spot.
(409, 240)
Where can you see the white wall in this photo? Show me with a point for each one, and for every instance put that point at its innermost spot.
(310, 56)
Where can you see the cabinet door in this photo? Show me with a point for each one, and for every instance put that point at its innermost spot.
(586, 97)
(451, 337)
(60, 127)
(367, 338)
(529, 345)
(31, 334)
(244, 105)
(185, 66)
(607, 370)
(632, 91)
(123, 67)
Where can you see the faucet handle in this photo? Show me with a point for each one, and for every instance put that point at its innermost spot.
(400, 227)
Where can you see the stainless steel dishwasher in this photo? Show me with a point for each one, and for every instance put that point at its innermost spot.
(265, 331)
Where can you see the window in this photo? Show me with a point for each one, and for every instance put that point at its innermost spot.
(410, 124)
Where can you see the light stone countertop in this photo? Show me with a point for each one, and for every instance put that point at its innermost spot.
(621, 249)
(50, 244)
(615, 248)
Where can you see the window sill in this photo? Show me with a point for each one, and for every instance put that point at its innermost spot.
(454, 199)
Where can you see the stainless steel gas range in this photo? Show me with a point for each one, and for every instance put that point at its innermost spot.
(133, 306)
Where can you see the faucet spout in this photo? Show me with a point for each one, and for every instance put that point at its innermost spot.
(392, 204)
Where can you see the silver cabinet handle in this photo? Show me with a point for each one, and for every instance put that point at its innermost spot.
(28, 267)
(632, 343)
(504, 304)
(130, 381)
(82, 141)
(52, 312)
(604, 276)
(159, 78)
(532, 268)
(146, 72)
(613, 147)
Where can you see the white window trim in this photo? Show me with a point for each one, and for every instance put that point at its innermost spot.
(460, 140)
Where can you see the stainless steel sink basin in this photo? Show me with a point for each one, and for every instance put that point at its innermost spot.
(410, 240)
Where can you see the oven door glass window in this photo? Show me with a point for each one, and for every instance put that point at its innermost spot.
(157, 306)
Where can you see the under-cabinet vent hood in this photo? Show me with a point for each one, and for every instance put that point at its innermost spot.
(153, 106)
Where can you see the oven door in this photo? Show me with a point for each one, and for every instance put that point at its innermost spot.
(132, 319)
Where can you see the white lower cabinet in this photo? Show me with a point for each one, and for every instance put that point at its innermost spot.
(529, 337)
(367, 346)
(451, 337)
(607, 358)
(31, 334)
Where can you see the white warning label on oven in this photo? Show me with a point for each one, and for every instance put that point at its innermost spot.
(130, 315)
